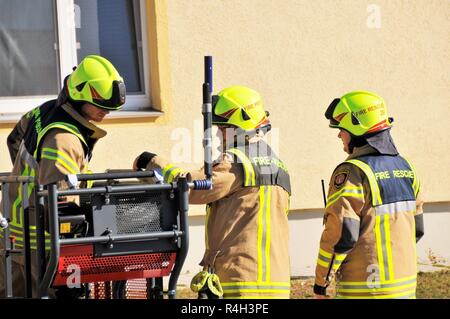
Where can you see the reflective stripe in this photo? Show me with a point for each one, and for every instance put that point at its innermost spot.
(19, 230)
(349, 191)
(16, 206)
(377, 285)
(254, 283)
(416, 182)
(62, 158)
(278, 291)
(375, 290)
(364, 283)
(208, 212)
(62, 125)
(27, 157)
(166, 169)
(338, 259)
(30, 185)
(173, 174)
(268, 226)
(17, 209)
(263, 241)
(256, 287)
(324, 258)
(376, 196)
(323, 263)
(248, 167)
(401, 295)
(390, 263)
(262, 289)
(324, 253)
(397, 207)
(170, 172)
(384, 260)
(379, 246)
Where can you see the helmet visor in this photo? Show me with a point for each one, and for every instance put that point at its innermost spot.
(330, 110)
(216, 119)
(117, 98)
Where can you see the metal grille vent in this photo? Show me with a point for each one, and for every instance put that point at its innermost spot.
(138, 213)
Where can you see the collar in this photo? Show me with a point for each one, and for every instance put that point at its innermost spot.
(361, 151)
(242, 142)
(97, 131)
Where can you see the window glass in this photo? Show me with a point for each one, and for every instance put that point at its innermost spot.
(111, 28)
(28, 55)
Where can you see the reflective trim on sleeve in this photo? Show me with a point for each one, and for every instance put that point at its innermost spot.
(348, 191)
(62, 158)
(170, 172)
(338, 259)
(375, 190)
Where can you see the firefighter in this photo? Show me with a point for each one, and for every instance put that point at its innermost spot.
(373, 216)
(246, 219)
(56, 139)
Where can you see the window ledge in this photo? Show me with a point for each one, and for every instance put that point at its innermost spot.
(133, 114)
(7, 118)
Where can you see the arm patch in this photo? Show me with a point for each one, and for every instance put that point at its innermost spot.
(340, 179)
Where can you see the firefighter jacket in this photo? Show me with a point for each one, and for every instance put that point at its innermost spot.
(246, 227)
(373, 219)
(48, 143)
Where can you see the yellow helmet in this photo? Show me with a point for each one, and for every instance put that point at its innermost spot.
(360, 113)
(241, 107)
(96, 81)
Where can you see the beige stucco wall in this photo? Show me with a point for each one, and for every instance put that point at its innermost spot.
(299, 55)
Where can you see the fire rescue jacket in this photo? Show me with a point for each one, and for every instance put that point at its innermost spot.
(373, 219)
(246, 226)
(49, 142)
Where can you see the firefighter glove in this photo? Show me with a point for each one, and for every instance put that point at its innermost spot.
(144, 159)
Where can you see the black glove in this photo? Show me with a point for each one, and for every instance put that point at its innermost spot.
(144, 159)
(319, 290)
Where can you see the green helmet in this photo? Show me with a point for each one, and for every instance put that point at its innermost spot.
(240, 107)
(360, 113)
(96, 81)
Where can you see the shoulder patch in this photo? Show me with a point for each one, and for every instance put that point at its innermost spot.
(340, 179)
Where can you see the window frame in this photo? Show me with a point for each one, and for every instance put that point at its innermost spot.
(11, 108)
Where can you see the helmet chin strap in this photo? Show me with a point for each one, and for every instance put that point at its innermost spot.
(254, 132)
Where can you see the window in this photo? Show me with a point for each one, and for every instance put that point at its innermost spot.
(42, 40)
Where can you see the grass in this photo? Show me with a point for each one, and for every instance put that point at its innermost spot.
(434, 285)
(430, 285)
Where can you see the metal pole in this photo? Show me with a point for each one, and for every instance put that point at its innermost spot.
(121, 238)
(6, 242)
(40, 232)
(54, 240)
(207, 117)
(115, 175)
(26, 240)
(183, 196)
(112, 189)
